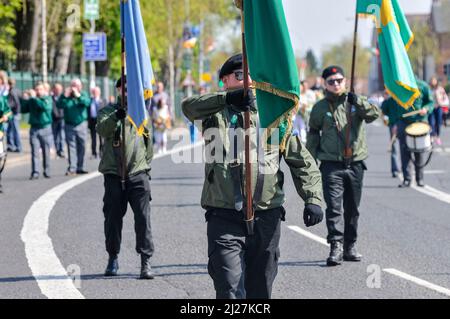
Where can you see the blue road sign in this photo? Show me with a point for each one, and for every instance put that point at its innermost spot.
(94, 46)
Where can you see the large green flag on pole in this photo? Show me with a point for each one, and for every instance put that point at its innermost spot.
(272, 64)
(394, 39)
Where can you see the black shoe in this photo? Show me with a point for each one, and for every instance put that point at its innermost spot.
(61, 155)
(69, 173)
(420, 183)
(113, 266)
(47, 176)
(406, 183)
(34, 176)
(146, 268)
(82, 172)
(1, 189)
(394, 174)
(350, 253)
(336, 254)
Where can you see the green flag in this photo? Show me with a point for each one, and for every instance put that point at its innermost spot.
(272, 64)
(394, 39)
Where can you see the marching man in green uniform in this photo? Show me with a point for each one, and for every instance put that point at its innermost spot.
(136, 189)
(244, 266)
(41, 135)
(337, 138)
(5, 116)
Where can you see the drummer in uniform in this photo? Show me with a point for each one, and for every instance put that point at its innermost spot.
(5, 115)
(425, 105)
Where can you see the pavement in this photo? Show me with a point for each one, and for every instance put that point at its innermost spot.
(404, 236)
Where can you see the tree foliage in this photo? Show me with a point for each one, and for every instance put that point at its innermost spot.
(8, 10)
(341, 54)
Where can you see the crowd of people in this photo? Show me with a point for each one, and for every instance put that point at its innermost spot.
(61, 118)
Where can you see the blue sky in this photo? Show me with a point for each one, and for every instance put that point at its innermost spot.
(318, 23)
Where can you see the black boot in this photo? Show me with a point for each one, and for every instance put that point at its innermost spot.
(336, 253)
(113, 266)
(146, 268)
(350, 252)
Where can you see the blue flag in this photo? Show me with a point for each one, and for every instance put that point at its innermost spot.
(138, 64)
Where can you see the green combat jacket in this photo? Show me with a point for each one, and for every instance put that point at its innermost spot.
(75, 109)
(212, 111)
(4, 110)
(107, 124)
(325, 142)
(40, 109)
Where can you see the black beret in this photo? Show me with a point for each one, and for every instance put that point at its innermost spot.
(119, 82)
(332, 70)
(233, 63)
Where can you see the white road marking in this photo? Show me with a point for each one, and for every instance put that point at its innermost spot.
(392, 271)
(418, 281)
(309, 235)
(429, 191)
(46, 268)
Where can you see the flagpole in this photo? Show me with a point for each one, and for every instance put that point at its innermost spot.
(249, 216)
(355, 39)
(122, 100)
(348, 152)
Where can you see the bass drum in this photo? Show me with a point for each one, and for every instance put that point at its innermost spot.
(418, 137)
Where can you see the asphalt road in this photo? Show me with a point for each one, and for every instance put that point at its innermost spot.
(403, 233)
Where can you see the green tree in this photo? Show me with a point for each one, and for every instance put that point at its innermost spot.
(8, 10)
(341, 54)
(425, 44)
(311, 60)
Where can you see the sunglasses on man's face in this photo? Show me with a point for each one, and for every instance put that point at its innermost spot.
(333, 81)
(239, 75)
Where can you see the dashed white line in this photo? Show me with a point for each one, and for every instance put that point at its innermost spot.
(430, 191)
(418, 281)
(309, 235)
(391, 271)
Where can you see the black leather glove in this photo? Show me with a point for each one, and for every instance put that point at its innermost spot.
(352, 98)
(241, 102)
(121, 114)
(312, 215)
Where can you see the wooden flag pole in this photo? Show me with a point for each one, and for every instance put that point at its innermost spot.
(249, 216)
(123, 105)
(355, 39)
(348, 151)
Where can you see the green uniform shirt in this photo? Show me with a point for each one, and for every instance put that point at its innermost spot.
(325, 142)
(4, 110)
(107, 124)
(75, 109)
(396, 111)
(389, 108)
(218, 192)
(40, 109)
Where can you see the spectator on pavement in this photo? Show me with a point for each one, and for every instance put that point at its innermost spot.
(96, 104)
(58, 120)
(14, 142)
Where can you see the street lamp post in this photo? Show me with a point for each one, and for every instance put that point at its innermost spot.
(44, 41)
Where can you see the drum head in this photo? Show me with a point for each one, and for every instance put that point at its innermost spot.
(418, 129)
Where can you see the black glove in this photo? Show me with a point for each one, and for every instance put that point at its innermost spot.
(121, 114)
(241, 102)
(312, 215)
(352, 98)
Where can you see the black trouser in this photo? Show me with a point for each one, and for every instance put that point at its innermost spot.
(115, 204)
(406, 155)
(92, 122)
(342, 188)
(240, 266)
